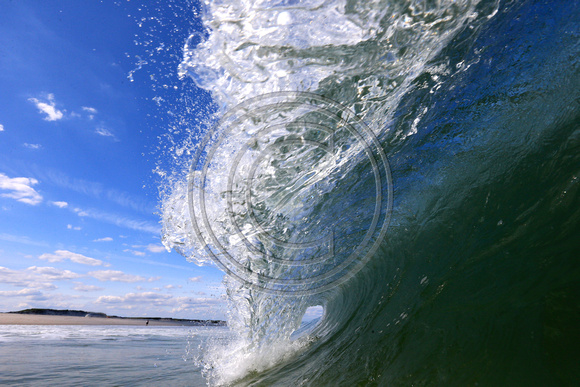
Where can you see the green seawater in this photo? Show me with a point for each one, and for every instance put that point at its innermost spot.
(477, 106)
(478, 280)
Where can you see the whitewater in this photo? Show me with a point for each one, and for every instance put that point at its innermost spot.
(103, 355)
(411, 166)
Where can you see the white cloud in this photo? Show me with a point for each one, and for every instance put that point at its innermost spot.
(135, 252)
(48, 107)
(98, 191)
(133, 299)
(156, 248)
(60, 204)
(105, 239)
(21, 189)
(35, 277)
(89, 110)
(79, 286)
(18, 293)
(80, 212)
(119, 220)
(153, 299)
(153, 248)
(53, 273)
(194, 279)
(61, 255)
(102, 131)
(1, 128)
(116, 276)
(22, 240)
(196, 305)
(71, 227)
(30, 294)
(32, 146)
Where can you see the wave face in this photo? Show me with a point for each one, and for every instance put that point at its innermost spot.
(472, 275)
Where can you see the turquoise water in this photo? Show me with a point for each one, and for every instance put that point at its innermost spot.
(103, 355)
(476, 105)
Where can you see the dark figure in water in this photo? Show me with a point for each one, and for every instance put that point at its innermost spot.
(147, 322)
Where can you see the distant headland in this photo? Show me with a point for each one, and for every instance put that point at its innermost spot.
(38, 316)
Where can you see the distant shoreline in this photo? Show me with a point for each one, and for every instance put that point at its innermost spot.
(65, 317)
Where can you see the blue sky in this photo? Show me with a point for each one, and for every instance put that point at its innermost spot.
(88, 91)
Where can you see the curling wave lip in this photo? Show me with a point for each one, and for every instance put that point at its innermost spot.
(285, 119)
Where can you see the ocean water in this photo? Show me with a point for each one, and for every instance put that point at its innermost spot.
(104, 355)
(412, 166)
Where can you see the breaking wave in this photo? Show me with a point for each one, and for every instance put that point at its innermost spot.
(409, 165)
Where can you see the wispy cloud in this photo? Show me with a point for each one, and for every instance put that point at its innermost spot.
(117, 276)
(20, 189)
(78, 185)
(152, 248)
(194, 279)
(91, 111)
(48, 107)
(130, 301)
(96, 190)
(60, 204)
(152, 262)
(61, 255)
(126, 200)
(138, 225)
(22, 240)
(71, 227)
(32, 146)
(102, 131)
(105, 239)
(135, 252)
(53, 273)
(134, 299)
(1, 128)
(79, 286)
(196, 305)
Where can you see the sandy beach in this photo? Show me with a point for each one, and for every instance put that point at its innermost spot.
(30, 319)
